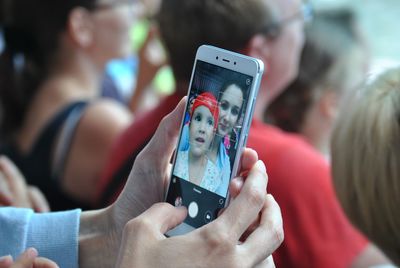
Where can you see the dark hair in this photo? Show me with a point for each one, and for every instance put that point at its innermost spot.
(31, 31)
(230, 24)
(325, 63)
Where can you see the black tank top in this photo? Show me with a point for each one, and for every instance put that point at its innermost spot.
(37, 165)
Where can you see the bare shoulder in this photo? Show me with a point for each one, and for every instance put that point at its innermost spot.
(100, 126)
(103, 120)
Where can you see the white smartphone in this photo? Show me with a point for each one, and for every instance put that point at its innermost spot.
(221, 99)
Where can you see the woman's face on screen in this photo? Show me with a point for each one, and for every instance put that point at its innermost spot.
(230, 106)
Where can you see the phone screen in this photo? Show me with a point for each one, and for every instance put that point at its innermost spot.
(209, 141)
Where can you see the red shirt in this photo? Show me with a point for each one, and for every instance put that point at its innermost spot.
(317, 233)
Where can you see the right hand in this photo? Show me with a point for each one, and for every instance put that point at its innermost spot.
(15, 192)
(28, 259)
(213, 245)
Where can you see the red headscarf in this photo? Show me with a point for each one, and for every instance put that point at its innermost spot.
(208, 100)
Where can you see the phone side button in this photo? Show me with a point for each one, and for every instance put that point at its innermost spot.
(245, 139)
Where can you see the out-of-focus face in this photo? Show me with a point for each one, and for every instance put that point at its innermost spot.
(201, 131)
(230, 105)
(285, 50)
(113, 21)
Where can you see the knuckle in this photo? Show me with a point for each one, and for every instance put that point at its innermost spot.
(162, 206)
(263, 175)
(276, 229)
(218, 241)
(138, 225)
(256, 196)
(279, 233)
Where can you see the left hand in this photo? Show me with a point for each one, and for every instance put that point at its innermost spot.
(28, 259)
(15, 192)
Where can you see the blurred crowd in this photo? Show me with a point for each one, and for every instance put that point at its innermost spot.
(84, 88)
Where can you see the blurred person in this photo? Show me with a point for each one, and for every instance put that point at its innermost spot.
(317, 232)
(130, 232)
(333, 62)
(15, 192)
(53, 126)
(366, 161)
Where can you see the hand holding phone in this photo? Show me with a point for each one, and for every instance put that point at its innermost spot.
(214, 130)
(213, 245)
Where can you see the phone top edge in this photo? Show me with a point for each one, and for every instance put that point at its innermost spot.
(228, 59)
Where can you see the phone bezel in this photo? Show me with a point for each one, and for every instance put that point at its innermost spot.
(238, 63)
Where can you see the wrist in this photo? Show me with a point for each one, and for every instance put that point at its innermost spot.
(99, 239)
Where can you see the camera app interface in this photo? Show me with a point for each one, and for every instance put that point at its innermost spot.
(208, 143)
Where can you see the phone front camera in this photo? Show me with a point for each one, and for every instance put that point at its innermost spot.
(234, 63)
(216, 57)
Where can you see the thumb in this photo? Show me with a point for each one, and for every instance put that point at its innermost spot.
(26, 259)
(163, 217)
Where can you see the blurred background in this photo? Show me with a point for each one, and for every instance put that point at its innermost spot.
(380, 23)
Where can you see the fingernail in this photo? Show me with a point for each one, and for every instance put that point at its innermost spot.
(260, 164)
(32, 253)
(5, 259)
(8, 198)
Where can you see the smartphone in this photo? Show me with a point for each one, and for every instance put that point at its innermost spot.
(221, 99)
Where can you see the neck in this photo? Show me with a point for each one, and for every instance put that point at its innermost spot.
(77, 69)
(195, 159)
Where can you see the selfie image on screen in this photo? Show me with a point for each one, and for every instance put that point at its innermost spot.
(209, 137)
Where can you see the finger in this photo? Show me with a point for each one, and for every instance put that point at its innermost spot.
(245, 208)
(149, 37)
(44, 263)
(164, 140)
(151, 34)
(37, 200)
(26, 259)
(6, 197)
(269, 235)
(253, 226)
(13, 176)
(6, 261)
(249, 158)
(235, 186)
(163, 217)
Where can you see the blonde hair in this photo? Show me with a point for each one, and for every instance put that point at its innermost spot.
(366, 162)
